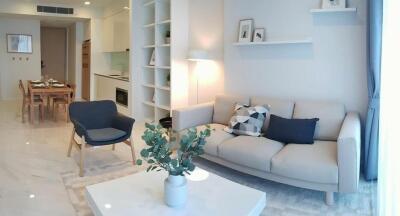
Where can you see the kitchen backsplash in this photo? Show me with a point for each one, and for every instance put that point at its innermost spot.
(120, 62)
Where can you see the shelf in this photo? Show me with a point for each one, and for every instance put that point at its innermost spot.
(149, 85)
(149, 25)
(164, 67)
(149, 66)
(164, 22)
(150, 3)
(333, 10)
(167, 108)
(166, 88)
(152, 104)
(149, 46)
(276, 42)
(164, 45)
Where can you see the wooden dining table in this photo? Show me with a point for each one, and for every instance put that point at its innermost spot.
(46, 91)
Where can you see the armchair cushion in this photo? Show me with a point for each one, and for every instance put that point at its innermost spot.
(105, 134)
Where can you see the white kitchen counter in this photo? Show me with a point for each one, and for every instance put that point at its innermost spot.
(122, 78)
(106, 90)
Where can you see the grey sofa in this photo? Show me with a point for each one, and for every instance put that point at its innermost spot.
(330, 165)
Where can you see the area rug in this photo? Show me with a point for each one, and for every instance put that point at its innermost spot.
(282, 200)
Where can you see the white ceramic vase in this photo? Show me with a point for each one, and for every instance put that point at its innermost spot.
(175, 191)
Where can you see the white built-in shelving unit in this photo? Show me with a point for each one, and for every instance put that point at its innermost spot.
(156, 94)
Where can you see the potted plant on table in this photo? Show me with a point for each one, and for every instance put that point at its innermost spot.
(161, 156)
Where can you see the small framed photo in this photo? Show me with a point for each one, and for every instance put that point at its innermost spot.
(245, 30)
(19, 43)
(329, 4)
(259, 34)
(153, 58)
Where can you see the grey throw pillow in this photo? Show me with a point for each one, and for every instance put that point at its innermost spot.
(247, 120)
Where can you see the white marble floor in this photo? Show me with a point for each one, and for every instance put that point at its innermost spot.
(32, 158)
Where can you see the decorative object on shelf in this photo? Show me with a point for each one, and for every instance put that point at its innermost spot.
(153, 58)
(160, 156)
(198, 56)
(19, 43)
(245, 30)
(331, 4)
(259, 35)
(168, 37)
(154, 98)
(168, 79)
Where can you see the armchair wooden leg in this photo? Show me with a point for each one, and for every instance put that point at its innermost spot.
(41, 107)
(113, 147)
(133, 151)
(23, 113)
(71, 142)
(81, 165)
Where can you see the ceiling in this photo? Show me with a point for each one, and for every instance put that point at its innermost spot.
(94, 3)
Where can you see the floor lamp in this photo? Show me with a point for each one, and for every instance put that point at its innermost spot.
(198, 56)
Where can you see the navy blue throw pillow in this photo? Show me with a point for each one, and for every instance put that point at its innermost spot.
(298, 131)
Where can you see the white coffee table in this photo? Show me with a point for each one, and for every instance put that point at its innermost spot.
(142, 194)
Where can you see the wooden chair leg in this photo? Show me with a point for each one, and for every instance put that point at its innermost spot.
(133, 151)
(41, 107)
(23, 113)
(81, 165)
(54, 111)
(32, 114)
(71, 143)
(113, 147)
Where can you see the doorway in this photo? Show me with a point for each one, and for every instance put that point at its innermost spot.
(53, 42)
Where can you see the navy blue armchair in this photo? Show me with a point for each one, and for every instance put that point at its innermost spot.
(98, 123)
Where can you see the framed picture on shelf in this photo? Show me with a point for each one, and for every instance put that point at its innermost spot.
(245, 30)
(153, 58)
(259, 35)
(19, 43)
(330, 4)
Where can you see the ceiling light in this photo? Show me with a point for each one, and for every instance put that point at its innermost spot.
(32, 196)
(87, 2)
(107, 206)
(126, 8)
(27, 143)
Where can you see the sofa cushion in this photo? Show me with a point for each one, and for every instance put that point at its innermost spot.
(330, 114)
(216, 138)
(253, 152)
(247, 120)
(279, 107)
(300, 131)
(224, 107)
(314, 163)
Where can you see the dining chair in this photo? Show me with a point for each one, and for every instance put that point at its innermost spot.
(27, 104)
(62, 100)
(97, 123)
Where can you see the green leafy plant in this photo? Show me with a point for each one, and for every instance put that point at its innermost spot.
(160, 156)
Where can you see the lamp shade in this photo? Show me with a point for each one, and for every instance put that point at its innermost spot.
(198, 55)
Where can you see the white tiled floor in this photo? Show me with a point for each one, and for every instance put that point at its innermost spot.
(32, 158)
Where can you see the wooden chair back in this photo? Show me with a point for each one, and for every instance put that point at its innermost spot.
(73, 87)
(22, 88)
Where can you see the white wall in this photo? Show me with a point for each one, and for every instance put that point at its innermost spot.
(206, 33)
(13, 70)
(75, 39)
(332, 68)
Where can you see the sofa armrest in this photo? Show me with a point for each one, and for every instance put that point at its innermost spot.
(192, 116)
(348, 150)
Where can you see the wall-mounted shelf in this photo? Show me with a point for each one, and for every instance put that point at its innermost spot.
(150, 3)
(150, 25)
(275, 42)
(333, 10)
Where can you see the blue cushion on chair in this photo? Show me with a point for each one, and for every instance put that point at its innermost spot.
(105, 134)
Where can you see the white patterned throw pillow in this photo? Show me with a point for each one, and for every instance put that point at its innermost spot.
(247, 120)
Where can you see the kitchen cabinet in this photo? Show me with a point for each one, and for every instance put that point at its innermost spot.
(116, 32)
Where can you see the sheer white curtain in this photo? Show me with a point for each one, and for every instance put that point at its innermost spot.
(389, 148)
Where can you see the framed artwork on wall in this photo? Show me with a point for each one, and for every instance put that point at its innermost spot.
(19, 43)
(245, 30)
(259, 35)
